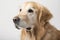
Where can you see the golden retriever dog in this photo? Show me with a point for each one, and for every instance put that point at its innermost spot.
(33, 20)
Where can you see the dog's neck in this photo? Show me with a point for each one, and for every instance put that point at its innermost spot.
(37, 31)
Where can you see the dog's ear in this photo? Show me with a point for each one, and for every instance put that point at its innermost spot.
(46, 15)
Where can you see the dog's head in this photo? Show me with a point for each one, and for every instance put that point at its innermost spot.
(31, 14)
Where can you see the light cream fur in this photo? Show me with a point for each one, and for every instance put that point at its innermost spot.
(38, 21)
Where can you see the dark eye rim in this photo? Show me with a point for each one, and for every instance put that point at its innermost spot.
(30, 11)
(20, 10)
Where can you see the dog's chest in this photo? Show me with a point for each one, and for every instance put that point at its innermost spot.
(26, 36)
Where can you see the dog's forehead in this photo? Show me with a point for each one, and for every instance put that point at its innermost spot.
(30, 5)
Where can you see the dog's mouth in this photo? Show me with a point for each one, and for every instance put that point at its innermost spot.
(29, 28)
(18, 27)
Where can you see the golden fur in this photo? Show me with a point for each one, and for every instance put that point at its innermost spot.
(42, 30)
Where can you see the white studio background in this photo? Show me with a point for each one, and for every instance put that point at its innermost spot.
(9, 8)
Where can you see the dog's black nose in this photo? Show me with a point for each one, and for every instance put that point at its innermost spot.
(16, 19)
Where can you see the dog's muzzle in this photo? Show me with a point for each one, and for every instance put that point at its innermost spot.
(16, 21)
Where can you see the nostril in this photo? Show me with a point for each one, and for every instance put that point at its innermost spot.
(15, 20)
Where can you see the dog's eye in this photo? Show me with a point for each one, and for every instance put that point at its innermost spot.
(30, 10)
(20, 10)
